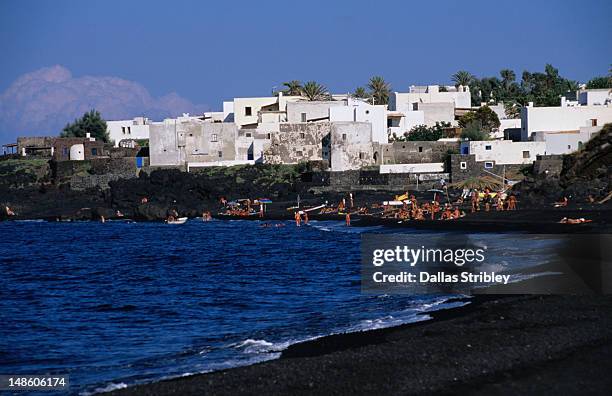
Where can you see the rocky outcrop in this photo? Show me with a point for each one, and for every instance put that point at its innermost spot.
(585, 172)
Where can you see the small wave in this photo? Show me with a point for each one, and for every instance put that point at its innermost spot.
(255, 346)
(108, 388)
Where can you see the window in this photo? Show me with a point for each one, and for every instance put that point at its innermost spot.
(389, 122)
(489, 165)
(248, 134)
(594, 122)
(191, 134)
(569, 147)
(362, 155)
(302, 135)
(367, 111)
(65, 151)
(129, 130)
(463, 165)
(248, 111)
(269, 136)
(415, 106)
(298, 153)
(344, 136)
(213, 137)
(94, 151)
(123, 130)
(303, 117)
(420, 149)
(525, 154)
(488, 147)
(220, 154)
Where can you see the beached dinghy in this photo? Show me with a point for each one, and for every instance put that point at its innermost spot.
(180, 220)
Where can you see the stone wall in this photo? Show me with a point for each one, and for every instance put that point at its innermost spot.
(81, 175)
(472, 168)
(351, 146)
(414, 152)
(355, 180)
(91, 149)
(41, 145)
(297, 142)
(552, 165)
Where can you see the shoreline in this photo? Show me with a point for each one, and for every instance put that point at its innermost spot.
(531, 221)
(507, 344)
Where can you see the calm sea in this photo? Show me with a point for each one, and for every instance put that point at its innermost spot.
(120, 303)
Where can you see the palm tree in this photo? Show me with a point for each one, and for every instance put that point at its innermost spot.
(462, 77)
(508, 76)
(380, 90)
(294, 88)
(360, 92)
(479, 183)
(312, 90)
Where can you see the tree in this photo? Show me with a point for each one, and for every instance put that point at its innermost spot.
(380, 90)
(508, 77)
(91, 123)
(293, 88)
(484, 118)
(360, 92)
(424, 133)
(512, 110)
(462, 77)
(312, 90)
(599, 83)
(473, 131)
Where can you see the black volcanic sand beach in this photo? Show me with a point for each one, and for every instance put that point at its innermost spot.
(500, 345)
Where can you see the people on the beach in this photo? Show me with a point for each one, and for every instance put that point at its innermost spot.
(581, 220)
(562, 203)
(488, 198)
(298, 219)
(348, 219)
(8, 211)
(475, 201)
(511, 205)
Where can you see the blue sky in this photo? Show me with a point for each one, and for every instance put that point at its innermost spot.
(210, 51)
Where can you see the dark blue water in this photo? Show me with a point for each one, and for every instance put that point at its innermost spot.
(118, 303)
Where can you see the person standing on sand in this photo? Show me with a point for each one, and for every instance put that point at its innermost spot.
(348, 219)
(475, 201)
(511, 202)
(297, 218)
(500, 202)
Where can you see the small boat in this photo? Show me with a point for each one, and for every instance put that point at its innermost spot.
(180, 220)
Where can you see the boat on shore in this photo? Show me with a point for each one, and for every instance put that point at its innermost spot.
(180, 220)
